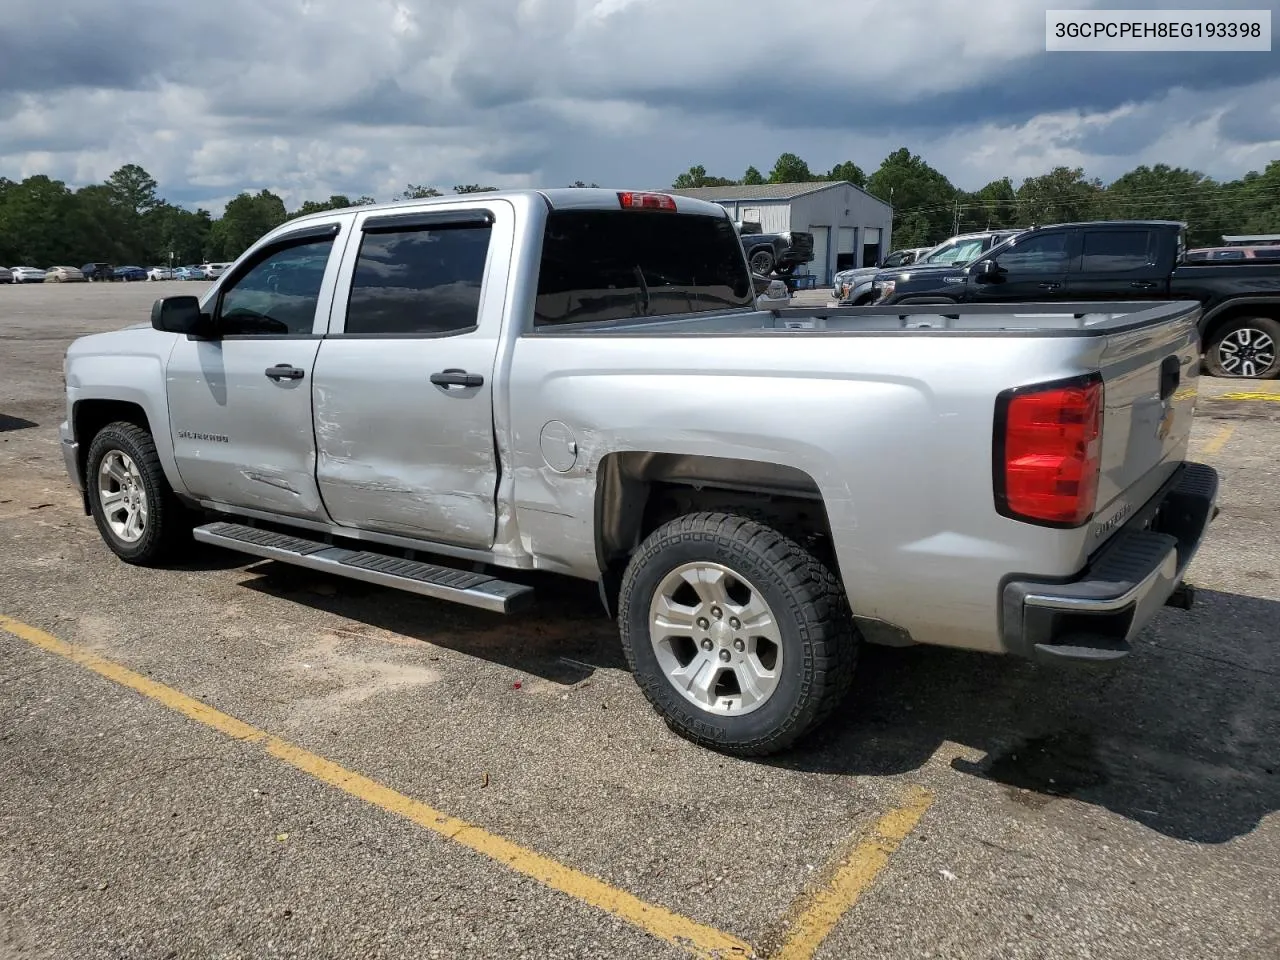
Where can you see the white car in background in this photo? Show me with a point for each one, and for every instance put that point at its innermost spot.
(64, 275)
(160, 273)
(28, 275)
(213, 271)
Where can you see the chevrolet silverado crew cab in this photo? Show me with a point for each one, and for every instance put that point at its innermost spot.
(442, 396)
(1116, 261)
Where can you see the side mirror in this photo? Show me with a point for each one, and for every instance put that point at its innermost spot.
(178, 315)
(986, 268)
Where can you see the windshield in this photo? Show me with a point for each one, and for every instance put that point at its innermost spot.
(955, 251)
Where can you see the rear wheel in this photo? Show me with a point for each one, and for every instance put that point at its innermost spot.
(738, 636)
(1248, 347)
(136, 511)
(762, 262)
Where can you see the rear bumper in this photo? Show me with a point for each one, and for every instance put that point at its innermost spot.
(1095, 616)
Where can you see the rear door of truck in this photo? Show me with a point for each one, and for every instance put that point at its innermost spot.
(1122, 263)
(403, 385)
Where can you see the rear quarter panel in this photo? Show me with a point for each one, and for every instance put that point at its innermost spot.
(895, 431)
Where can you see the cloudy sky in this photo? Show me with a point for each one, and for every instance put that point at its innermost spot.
(312, 97)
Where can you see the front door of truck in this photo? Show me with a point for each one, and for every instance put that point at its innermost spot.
(1032, 268)
(404, 383)
(240, 401)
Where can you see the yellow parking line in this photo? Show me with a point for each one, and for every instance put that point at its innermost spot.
(695, 938)
(853, 876)
(1250, 395)
(1219, 440)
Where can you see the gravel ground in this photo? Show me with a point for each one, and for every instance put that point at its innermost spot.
(1076, 814)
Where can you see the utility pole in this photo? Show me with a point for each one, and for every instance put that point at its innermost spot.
(956, 231)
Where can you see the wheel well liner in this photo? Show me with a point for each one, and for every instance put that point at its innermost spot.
(90, 416)
(635, 489)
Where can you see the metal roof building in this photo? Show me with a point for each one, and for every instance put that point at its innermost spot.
(850, 227)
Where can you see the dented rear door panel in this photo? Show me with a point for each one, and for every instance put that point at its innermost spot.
(399, 453)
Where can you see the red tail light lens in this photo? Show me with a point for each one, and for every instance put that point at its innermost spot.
(646, 201)
(1048, 451)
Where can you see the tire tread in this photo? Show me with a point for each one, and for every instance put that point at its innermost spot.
(167, 519)
(819, 606)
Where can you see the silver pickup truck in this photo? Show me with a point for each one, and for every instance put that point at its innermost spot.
(438, 395)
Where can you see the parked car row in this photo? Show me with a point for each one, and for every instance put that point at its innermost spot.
(1111, 262)
(854, 287)
(106, 272)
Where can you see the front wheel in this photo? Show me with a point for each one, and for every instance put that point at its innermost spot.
(1247, 348)
(737, 635)
(132, 503)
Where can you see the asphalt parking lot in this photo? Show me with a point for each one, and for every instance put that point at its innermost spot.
(237, 759)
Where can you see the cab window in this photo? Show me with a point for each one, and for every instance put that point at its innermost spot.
(278, 295)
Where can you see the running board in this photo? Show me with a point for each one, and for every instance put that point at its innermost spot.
(426, 579)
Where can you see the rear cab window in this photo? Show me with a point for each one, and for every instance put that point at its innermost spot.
(1117, 251)
(603, 265)
(418, 280)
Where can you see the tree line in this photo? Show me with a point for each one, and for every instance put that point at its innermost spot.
(928, 208)
(44, 222)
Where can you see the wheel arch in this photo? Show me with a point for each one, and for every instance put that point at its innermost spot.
(1217, 317)
(88, 417)
(638, 491)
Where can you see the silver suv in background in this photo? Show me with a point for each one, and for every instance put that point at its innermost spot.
(846, 279)
(959, 250)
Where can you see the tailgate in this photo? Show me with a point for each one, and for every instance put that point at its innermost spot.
(1149, 380)
(800, 245)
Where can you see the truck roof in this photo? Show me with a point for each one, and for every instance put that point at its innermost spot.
(1115, 223)
(557, 198)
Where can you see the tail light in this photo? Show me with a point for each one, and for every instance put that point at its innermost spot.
(646, 201)
(1048, 451)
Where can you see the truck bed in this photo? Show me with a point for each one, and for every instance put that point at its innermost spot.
(892, 415)
(1088, 319)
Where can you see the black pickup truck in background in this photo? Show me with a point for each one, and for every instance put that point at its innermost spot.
(775, 253)
(1119, 260)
